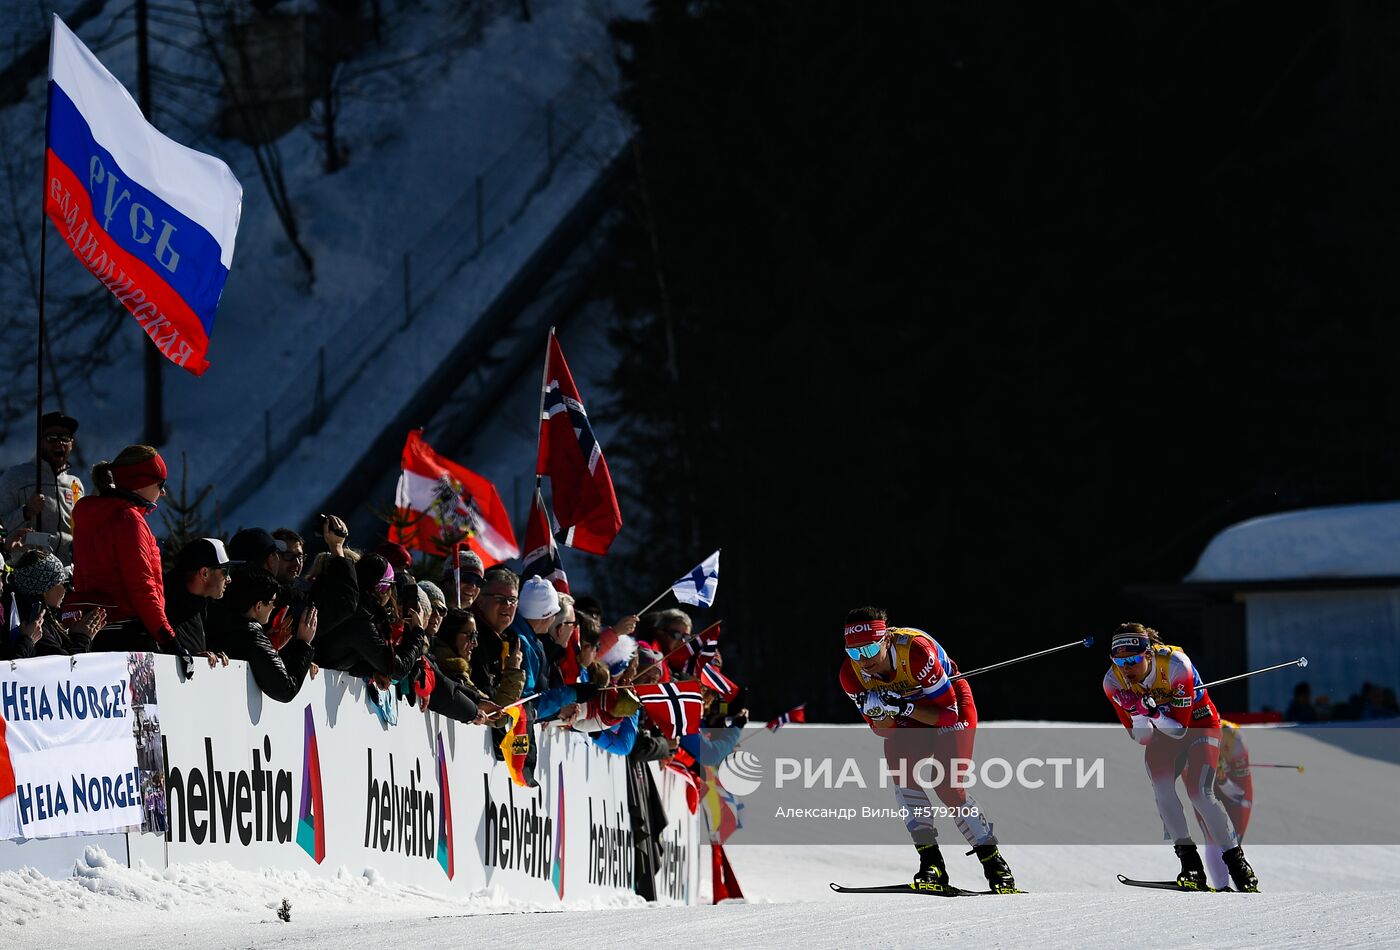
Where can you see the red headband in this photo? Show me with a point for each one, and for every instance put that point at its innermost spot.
(866, 631)
(139, 474)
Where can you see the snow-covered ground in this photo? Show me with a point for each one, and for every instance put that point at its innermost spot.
(1335, 897)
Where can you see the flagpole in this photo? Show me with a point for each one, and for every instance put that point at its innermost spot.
(43, 281)
(539, 433)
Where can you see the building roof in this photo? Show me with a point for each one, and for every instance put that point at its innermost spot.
(1342, 541)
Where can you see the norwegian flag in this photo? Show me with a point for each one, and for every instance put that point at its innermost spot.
(585, 504)
(541, 557)
(675, 708)
(705, 646)
(680, 766)
(711, 676)
(792, 715)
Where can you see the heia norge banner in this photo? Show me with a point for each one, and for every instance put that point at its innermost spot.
(80, 749)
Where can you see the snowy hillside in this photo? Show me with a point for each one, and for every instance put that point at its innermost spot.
(465, 144)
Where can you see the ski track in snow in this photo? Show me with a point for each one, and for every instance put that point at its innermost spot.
(1316, 896)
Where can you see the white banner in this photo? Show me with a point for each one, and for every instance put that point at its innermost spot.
(72, 737)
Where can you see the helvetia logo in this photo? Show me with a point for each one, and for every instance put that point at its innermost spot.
(311, 823)
(444, 844)
(518, 838)
(741, 773)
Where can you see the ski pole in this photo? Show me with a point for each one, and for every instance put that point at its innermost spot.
(1301, 661)
(1271, 765)
(1086, 642)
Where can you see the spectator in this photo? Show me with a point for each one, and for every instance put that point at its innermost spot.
(719, 733)
(291, 558)
(257, 548)
(495, 612)
(590, 606)
(39, 586)
(360, 645)
(49, 506)
(562, 647)
(672, 634)
(397, 555)
(278, 675)
(539, 602)
(200, 574)
(116, 562)
(1300, 709)
(437, 605)
(472, 580)
(452, 651)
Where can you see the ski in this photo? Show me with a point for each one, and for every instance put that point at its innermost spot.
(910, 888)
(1165, 886)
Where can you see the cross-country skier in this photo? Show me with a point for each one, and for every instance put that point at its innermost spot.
(899, 678)
(1234, 787)
(1159, 698)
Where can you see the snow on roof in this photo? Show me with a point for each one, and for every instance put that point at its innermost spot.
(1338, 541)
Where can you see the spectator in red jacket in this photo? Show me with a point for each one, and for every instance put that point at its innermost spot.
(116, 563)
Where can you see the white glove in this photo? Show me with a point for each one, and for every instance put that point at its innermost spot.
(877, 706)
(1142, 728)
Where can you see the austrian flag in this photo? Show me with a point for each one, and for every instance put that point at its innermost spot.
(444, 502)
(152, 220)
(675, 708)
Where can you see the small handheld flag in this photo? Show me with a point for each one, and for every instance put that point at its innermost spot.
(699, 587)
(792, 715)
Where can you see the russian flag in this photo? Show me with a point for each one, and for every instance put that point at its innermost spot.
(152, 220)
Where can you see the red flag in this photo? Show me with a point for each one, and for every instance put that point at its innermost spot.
(724, 884)
(675, 708)
(447, 501)
(704, 646)
(585, 504)
(690, 780)
(541, 555)
(711, 676)
(792, 715)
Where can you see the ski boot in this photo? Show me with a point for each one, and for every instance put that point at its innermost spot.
(1240, 871)
(1193, 872)
(932, 874)
(999, 877)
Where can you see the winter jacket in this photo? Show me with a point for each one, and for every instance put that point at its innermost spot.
(619, 739)
(185, 612)
(488, 666)
(54, 639)
(536, 676)
(278, 675)
(61, 492)
(360, 646)
(506, 689)
(116, 562)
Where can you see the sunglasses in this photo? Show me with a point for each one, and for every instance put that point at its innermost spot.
(383, 586)
(1130, 660)
(54, 439)
(867, 652)
(507, 601)
(473, 580)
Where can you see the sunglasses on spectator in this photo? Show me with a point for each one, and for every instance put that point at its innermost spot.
(55, 438)
(383, 587)
(474, 580)
(291, 556)
(867, 652)
(1130, 660)
(504, 599)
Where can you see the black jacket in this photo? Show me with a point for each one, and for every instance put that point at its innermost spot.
(278, 675)
(54, 639)
(360, 646)
(185, 612)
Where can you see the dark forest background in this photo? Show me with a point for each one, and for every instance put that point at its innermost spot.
(984, 311)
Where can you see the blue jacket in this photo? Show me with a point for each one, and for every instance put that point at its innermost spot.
(620, 738)
(532, 655)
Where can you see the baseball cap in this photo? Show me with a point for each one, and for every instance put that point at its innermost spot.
(203, 552)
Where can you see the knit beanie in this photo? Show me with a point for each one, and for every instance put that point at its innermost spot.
(538, 599)
(41, 575)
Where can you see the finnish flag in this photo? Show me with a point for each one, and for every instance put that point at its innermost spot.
(698, 588)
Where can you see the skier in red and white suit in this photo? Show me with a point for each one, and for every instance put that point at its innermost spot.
(1159, 698)
(1234, 786)
(900, 679)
